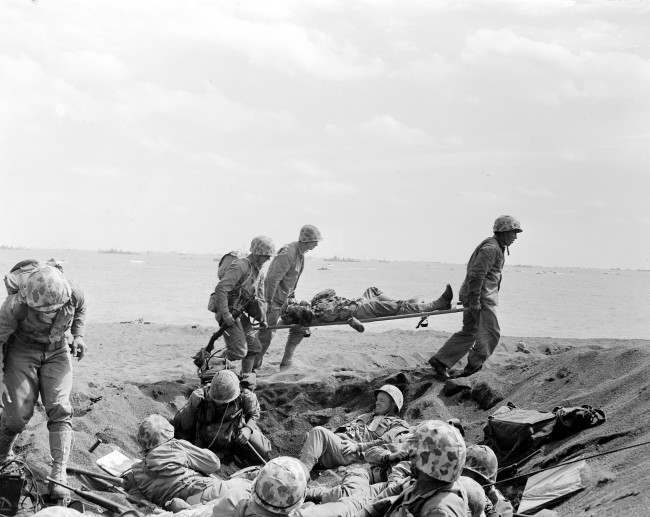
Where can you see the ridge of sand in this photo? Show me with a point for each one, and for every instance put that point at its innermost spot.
(134, 370)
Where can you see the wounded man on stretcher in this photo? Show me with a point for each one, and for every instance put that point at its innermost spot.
(327, 307)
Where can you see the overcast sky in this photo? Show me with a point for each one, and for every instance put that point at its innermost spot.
(401, 129)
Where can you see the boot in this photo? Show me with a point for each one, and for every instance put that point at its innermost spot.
(442, 303)
(440, 370)
(7, 440)
(60, 447)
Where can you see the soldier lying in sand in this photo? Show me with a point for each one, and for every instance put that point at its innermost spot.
(327, 307)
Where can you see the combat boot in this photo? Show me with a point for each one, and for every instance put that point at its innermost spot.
(7, 440)
(442, 303)
(60, 447)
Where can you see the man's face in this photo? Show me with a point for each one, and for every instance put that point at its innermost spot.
(310, 245)
(260, 259)
(383, 403)
(509, 237)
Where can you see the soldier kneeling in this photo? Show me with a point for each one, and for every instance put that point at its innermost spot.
(223, 417)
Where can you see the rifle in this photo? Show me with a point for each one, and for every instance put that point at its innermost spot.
(236, 313)
(113, 483)
(99, 500)
(113, 479)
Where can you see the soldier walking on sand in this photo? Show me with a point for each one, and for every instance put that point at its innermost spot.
(479, 294)
(41, 324)
(240, 288)
(279, 287)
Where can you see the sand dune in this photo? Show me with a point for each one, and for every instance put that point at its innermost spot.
(136, 369)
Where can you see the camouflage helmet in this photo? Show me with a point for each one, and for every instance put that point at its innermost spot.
(438, 450)
(262, 245)
(154, 430)
(482, 461)
(58, 511)
(309, 233)
(506, 223)
(394, 393)
(224, 387)
(280, 485)
(46, 289)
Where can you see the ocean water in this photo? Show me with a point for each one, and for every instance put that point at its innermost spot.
(535, 301)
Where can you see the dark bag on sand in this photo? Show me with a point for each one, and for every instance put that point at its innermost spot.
(570, 420)
(514, 433)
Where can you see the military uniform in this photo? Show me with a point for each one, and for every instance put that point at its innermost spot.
(368, 430)
(34, 335)
(216, 426)
(177, 468)
(480, 333)
(241, 286)
(328, 307)
(280, 283)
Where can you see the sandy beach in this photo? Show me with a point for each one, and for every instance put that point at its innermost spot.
(135, 369)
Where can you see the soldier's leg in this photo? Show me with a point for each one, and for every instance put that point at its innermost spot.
(324, 447)
(265, 335)
(253, 347)
(294, 338)
(487, 339)
(459, 343)
(235, 340)
(355, 483)
(55, 388)
(21, 381)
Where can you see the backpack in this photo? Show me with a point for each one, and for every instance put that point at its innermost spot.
(513, 433)
(224, 263)
(570, 420)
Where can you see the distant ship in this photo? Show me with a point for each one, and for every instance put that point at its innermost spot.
(324, 267)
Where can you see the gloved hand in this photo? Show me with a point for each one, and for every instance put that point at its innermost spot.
(263, 325)
(78, 348)
(349, 447)
(228, 320)
(243, 436)
(475, 308)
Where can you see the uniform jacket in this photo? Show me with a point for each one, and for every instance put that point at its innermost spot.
(402, 500)
(283, 274)
(30, 326)
(203, 422)
(387, 431)
(241, 281)
(483, 278)
(173, 469)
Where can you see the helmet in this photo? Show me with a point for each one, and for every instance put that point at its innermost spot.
(46, 289)
(506, 223)
(58, 511)
(262, 245)
(280, 485)
(309, 233)
(439, 450)
(154, 430)
(224, 387)
(394, 393)
(482, 461)
(322, 295)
